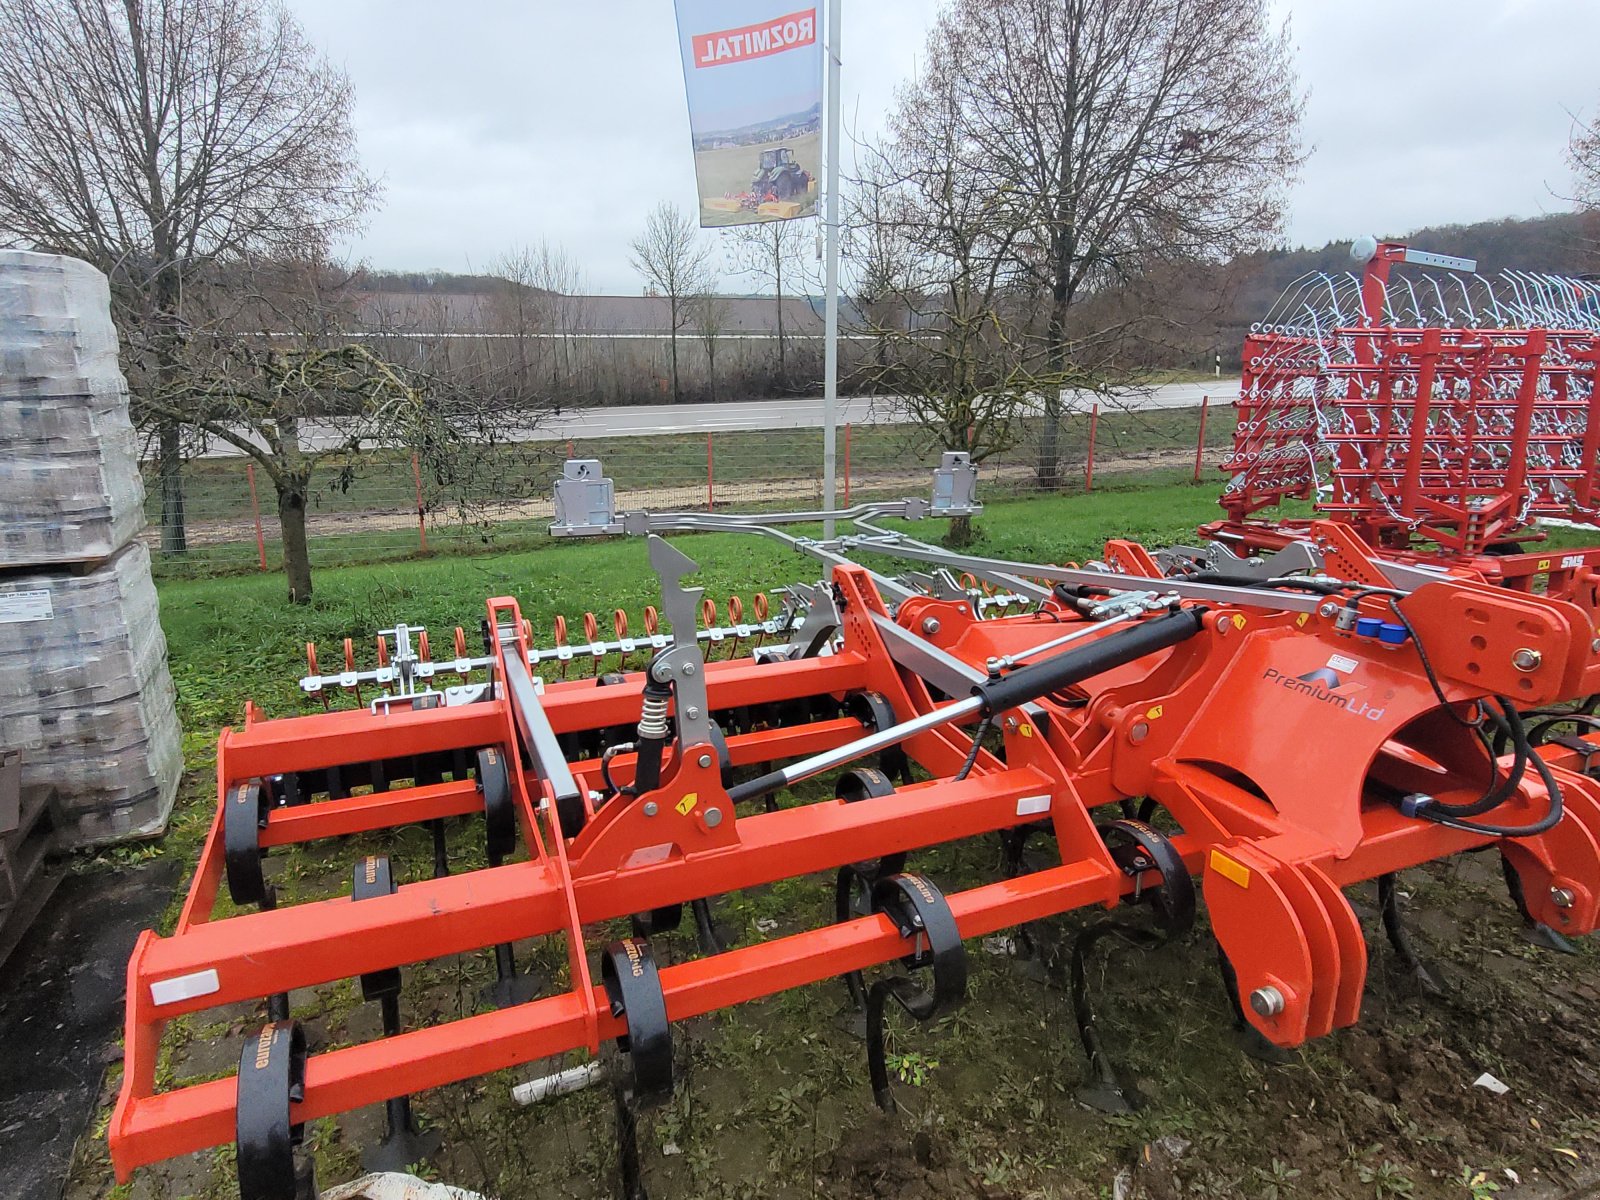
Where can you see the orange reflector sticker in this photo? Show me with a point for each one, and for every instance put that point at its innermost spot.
(1228, 869)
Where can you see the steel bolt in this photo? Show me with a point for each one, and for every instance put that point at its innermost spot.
(1594, 646)
(1138, 733)
(692, 712)
(713, 817)
(1266, 1001)
(1562, 897)
(1526, 659)
(930, 626)
(705, 760)
(688, 668)
(650, 808)
(1330, 609)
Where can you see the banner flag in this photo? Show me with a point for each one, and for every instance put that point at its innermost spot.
(753, 73)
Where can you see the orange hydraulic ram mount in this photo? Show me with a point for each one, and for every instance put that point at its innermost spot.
(1135, 726)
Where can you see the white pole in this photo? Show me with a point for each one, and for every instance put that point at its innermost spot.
(830, 386)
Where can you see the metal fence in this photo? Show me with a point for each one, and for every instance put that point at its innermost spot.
(382, 505)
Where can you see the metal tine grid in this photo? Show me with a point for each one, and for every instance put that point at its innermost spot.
(1462, 414)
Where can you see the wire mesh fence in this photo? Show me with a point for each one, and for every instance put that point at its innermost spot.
(382, 505)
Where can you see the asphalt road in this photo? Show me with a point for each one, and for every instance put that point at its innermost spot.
(734, 417)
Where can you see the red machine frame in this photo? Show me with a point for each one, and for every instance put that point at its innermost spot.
(1196, 728)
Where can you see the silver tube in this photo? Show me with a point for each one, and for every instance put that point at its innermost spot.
(807, 768)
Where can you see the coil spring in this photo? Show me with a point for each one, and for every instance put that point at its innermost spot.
(653, 718)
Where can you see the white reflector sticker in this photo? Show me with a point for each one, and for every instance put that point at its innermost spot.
(1030, 806)
(185, 987)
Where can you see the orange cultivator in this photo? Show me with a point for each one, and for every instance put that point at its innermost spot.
(1130, 717)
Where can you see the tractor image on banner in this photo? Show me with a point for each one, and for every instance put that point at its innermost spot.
(753, 73)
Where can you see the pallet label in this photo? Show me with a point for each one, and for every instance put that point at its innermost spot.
(17, 607)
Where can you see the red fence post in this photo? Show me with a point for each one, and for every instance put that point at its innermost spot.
(1088, 469)
(255, 511)
(422, 519)
(847, 465)
(711, 495)
(1200, 442)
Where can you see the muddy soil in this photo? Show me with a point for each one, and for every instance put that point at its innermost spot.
(773, 1100)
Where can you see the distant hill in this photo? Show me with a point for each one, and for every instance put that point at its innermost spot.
(1561, 243)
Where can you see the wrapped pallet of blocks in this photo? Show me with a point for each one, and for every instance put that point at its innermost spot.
(86, 700)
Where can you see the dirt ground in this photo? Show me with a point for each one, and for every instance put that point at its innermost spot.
(773, 1099)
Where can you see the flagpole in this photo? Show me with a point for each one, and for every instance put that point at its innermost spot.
(830, 387)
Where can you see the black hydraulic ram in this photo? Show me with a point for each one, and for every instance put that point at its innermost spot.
(994, 696)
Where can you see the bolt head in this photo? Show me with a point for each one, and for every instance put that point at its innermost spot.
(1526, 659)
(1330, 609)
(1266, 1001)
(692, 712)
(1562, 897)
(930, 625)
(713, 817)
(1594, 646)
(651, 808)
(705, 760)
(688, 669)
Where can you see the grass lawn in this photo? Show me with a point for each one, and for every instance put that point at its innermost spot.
(233, 639)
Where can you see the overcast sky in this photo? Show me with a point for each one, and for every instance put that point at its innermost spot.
(495, 123)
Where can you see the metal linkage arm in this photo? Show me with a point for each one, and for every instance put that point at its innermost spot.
(995, 695)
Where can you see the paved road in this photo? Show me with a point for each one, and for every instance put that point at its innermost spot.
(642, 421)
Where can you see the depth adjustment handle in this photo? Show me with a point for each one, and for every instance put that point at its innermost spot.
(1084, 662)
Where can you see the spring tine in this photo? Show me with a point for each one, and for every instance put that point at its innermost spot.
(350, 655)
(383, 660)
(708, 618)
(564, 651)
(619, 626)
(736, 620)
(424, 650)
(311, 659)
(762, 609)
(652, 620)
(591, 630)
(461, 644)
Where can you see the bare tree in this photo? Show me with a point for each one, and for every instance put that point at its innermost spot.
(959, 343)
(773, 253)
(1111, 132)
(673, 260)
(312, 406)
(711, 312)
(1583, 154)
(152, 137)
(541, 308)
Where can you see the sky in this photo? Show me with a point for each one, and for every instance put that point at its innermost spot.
(499, 123)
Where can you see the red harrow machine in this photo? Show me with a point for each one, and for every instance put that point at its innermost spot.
(1119, 728)
(1438, 416)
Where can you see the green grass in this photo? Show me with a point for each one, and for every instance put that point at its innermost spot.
(233, 639)
(355, 487)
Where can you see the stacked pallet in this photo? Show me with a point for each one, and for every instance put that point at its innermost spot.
(85, 697)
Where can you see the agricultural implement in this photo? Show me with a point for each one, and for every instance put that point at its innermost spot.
(1439, 416)
(1118, 727)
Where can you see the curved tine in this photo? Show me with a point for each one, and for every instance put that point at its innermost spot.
(1466, 310)
(1416, 304)
(1438, 294)
(1289, 294)
(1541, 298)
(1491, 298)
(1566, 292)
(1527, 310)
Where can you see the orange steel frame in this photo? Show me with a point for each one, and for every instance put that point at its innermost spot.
(1203, 728)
